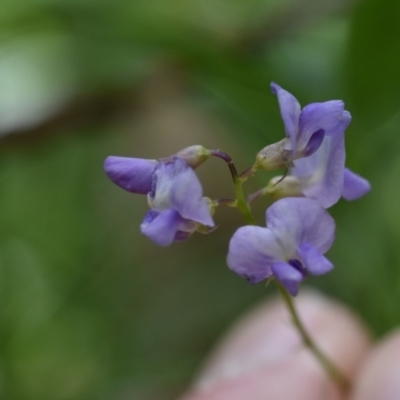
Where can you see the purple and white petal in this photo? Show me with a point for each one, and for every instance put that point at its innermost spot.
(132, 174)
(186, 195)
(322, 173)
(289, 276)
(299, 220)
(314, 261)
(163, 179)
(316, 116)
(290, 111)
(354, 186)
(252, 250)
(161, 227)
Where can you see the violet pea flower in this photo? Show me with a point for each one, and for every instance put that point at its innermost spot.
(174, 194)
(305, 129)
(322, 176)
(299, 231)
(136, 174)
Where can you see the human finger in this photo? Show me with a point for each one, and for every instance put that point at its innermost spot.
(262, 357)
(379, 378)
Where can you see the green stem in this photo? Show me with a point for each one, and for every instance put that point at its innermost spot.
(327, 364)
(241, 202)
(238, 180)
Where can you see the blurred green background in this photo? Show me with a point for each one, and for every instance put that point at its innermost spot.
(90, 309)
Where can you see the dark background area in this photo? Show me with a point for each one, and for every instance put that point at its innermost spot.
(89, 308)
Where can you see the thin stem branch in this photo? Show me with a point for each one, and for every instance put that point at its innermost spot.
(256, 195)
(327, 364)
(226, 202)
(228, 160)
(246, 174)
(240, 202)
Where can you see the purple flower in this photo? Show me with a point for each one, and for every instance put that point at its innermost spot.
(177, 203)
(299, 231)
(322, 176)
(136, 174)
(305, 129)
(174, 194)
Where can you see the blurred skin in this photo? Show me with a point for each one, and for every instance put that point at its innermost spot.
(262, 357)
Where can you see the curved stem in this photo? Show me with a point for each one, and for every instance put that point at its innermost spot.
(327, 364)
(228, 160)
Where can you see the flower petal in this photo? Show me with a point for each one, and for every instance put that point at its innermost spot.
(163, 179)
(186, 195)
(289, 276)
(354, 186)
(314, 261)
(131, 174)
(325, 180)
(323, 171)
(316, 116)
(252, 249)
(161, 227)
(313, 144)
(290, 111)
(298, 220)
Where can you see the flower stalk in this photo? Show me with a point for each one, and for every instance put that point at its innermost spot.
(238, 181)
(225, 202)
(330, 368)
(241, 202)
(228, 160)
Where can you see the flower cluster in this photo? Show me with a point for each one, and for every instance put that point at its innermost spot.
(299, 230)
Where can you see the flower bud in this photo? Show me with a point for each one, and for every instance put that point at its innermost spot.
(273, 157)
(194, 155)
(279, 188)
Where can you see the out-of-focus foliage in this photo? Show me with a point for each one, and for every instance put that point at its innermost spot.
(372, 67)
(89, 308)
